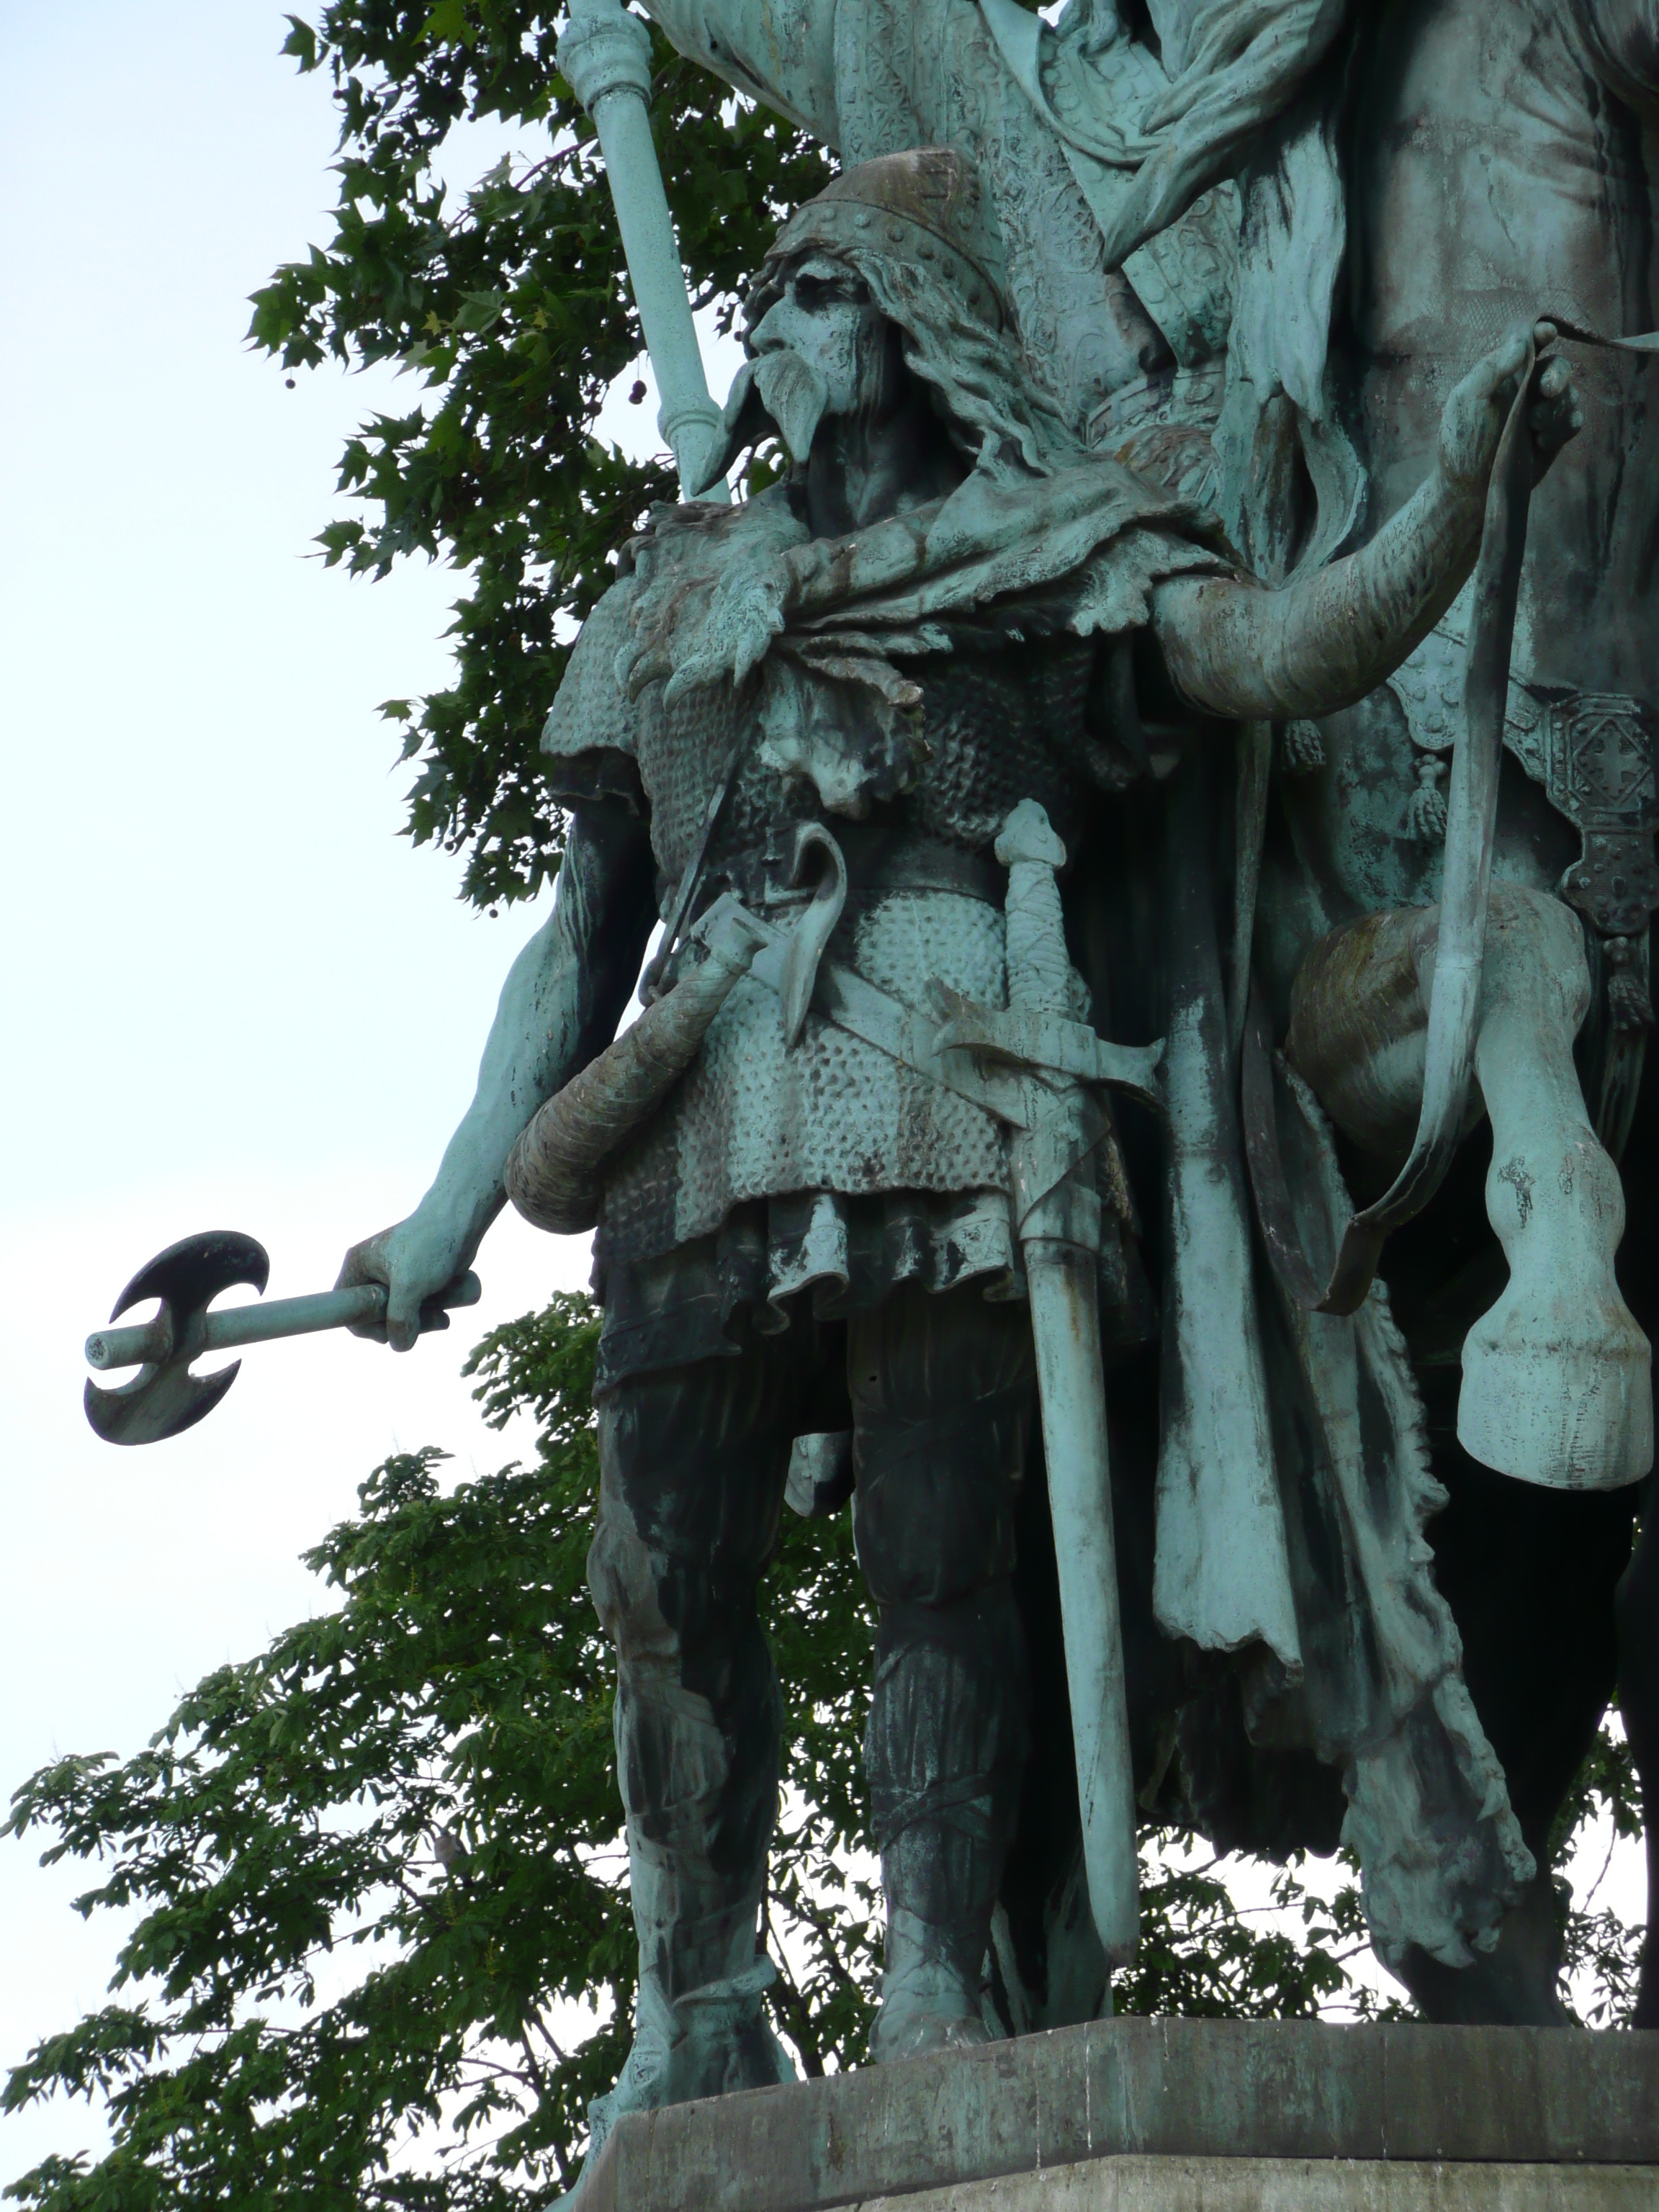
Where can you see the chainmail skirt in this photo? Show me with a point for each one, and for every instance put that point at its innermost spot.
(834, 1254)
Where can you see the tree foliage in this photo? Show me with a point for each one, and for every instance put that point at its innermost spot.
(1602, 1951)
(511, 306)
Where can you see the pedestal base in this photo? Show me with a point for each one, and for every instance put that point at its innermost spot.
(1292, 2184)
(1177, 2116)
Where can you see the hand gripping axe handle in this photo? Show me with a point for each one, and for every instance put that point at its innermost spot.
(164, 1397)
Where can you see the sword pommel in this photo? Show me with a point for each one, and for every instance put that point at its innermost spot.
(1039, 966)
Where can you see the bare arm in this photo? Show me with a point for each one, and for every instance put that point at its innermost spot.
(1233, 648)
(560, 1006)
(781, 52)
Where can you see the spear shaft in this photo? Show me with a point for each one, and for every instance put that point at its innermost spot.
(605, 55)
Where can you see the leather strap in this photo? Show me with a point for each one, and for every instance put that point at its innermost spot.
(1454, 1005)
(882, 858)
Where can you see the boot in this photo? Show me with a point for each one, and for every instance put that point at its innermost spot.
(943, 1748)
(700, 2045)
(699, 2024)
(930, 1995)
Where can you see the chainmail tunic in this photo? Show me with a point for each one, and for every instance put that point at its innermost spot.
(801, 1155)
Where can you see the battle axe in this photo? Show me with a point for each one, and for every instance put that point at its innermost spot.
(165, 1397)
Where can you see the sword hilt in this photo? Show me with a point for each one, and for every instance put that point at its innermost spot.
(1039, 965)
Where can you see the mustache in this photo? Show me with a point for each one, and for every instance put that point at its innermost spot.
(778, 391)
(794, 395)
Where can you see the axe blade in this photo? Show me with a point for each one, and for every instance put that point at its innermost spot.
(164, 1399)
(191, 1274)
(159, 1402)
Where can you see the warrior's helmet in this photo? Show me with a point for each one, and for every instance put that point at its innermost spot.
(923, 210)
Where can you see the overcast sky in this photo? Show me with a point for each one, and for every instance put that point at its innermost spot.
(234, 997)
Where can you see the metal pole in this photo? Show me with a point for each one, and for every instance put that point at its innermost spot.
(604, 54)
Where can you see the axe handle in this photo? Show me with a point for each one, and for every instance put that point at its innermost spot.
(223, 1331)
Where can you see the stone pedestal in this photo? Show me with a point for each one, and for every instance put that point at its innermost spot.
(1177, 2116)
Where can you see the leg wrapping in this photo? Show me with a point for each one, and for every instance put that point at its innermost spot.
(939, 1473)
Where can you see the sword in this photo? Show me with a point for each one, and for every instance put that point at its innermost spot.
(1057, 1213)
(605, 55)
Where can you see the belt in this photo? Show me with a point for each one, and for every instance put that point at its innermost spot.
(882, 859)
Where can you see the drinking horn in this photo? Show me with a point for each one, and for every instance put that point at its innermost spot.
(553, 1170)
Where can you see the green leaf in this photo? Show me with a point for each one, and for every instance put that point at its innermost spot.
(301, 43)
(447, 20)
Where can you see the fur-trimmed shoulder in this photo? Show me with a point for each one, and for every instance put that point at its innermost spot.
(590, 713)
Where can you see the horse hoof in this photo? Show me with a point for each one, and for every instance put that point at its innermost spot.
(1557, 1389)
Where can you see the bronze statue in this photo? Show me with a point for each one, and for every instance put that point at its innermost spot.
(819, 711)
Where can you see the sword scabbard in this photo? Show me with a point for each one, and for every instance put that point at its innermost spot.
(1057, 1213)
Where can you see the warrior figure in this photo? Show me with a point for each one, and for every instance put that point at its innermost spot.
(819, 708)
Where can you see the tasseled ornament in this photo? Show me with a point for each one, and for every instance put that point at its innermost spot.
(1629, 1006)
(1301, 747)
(1425, 809)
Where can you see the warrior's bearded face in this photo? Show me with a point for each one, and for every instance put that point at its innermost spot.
(854, 337)
(824, 350)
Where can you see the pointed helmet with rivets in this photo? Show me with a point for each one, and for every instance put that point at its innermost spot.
(925, 207)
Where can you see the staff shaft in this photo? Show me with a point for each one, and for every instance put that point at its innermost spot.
(605, 55)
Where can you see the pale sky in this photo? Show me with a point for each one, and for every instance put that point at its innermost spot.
(234, 996)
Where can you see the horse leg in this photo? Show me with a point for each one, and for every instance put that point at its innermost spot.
(1512, 1985)
(1529, 1574)
(1636, 1607)
(1556, 1375)
(1509, 1560)
(1557, 1385)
